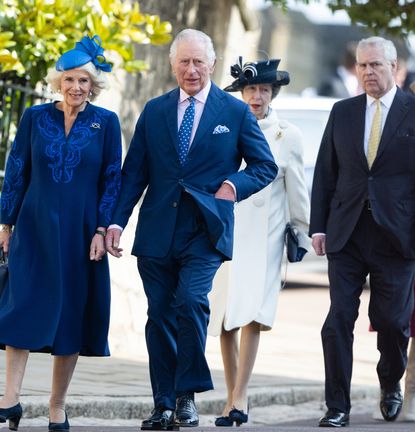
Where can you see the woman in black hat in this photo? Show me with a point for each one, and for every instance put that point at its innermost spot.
(246, 289)
(61, 185)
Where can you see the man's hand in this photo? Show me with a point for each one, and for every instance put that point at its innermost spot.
(226, 192)
(319, 244)
(112, 242)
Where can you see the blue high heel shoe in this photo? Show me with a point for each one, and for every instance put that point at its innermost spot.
(223, 421)
(238, 416)
(13, 414)
(59, 427)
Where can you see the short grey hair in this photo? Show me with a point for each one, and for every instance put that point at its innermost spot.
(99, 80)
(387, 46)
(192, 34)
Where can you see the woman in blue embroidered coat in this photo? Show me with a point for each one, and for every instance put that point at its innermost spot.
(61, 186)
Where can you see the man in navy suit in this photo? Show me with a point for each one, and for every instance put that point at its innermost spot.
(185, 225)
(363, 217)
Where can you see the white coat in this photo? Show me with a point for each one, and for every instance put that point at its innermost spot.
(246, 289)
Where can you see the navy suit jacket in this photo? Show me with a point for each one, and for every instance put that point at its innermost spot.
(343, 182)
(152, 164)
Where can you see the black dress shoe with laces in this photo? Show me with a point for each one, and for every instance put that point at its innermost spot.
(160, 419)
(334, 418)
(186, 413)
(391, 402)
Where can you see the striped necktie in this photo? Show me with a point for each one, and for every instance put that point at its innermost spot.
(375, 133)
(185, 130)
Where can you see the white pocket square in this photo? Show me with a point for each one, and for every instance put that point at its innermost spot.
(219, 129)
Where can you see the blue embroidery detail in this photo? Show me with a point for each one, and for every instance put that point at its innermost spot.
(112, 188)
(65, 152)
(13, 183)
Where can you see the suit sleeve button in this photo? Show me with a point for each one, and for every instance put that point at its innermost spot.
(174, 204)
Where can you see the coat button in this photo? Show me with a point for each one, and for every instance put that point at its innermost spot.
(259, 202)
(174, 204)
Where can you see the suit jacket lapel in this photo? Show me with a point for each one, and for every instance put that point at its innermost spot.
(358, 114)
(214, 105)
(170, 110)
(397, 113)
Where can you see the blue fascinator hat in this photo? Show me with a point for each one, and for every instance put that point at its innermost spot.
(85, 51)
(260, 72)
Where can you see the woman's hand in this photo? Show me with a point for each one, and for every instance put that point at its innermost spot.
(97, 249)
(5, 240)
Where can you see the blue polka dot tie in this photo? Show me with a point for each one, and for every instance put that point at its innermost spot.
(185, 130)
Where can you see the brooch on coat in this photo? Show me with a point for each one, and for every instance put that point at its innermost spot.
(282, 125)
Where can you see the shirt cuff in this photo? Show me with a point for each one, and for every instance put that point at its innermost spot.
(316, 234)
(115, 226)
(232, 186)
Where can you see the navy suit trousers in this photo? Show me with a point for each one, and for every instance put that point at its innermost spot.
(369, 251)
(177, 287)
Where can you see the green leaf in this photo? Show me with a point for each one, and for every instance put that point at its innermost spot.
(41, 30)
(135, 66)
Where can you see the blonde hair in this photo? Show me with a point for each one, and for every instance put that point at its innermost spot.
(99, 80)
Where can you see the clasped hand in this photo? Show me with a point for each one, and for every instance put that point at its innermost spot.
(112, 242)
(97, 248)
(4, 241)
(112, 239)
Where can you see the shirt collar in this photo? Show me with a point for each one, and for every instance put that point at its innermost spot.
(386, 99)
(200, 97)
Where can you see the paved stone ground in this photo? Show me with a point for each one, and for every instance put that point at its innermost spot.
(261, 416)
(359, 423)
(289, 370)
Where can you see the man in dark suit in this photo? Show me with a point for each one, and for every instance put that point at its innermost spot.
(185, 224)
(363, 217)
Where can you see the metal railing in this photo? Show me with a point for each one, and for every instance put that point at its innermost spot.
(15, 97)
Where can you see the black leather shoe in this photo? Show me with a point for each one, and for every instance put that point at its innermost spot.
(13, 415)
(238, 416)
(223, 421)
(334, 418)
(59, 427)
(160, 419)
(186, 413)
(391, 402)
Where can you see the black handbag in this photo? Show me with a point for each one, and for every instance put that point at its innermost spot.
(295, 253)
(4, 270)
